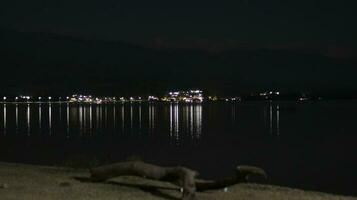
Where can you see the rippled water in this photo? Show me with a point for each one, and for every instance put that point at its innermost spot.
(310, 145)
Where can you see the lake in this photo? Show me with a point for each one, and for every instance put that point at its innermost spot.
(308, 145)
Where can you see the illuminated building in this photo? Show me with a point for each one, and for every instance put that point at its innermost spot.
(191, 96)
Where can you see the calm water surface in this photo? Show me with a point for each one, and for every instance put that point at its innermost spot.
(309, 145)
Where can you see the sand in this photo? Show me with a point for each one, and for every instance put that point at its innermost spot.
(30, 182)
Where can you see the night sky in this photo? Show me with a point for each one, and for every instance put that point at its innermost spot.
(322, 28)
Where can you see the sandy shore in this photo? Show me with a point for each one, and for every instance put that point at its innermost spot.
(29, 182)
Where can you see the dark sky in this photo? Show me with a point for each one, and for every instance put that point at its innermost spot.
(321, 25)
(301, 45)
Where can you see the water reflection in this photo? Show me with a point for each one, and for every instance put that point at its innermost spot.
(50, 118)
(271, 118)
(91, 119)
(151, 118)
(73, 119)
(60, 112)
(185, 119)
(277, 120)
(4, 118)
(274, 114)
(171, 117)
(105, 116)
(39, 116)
(140, 118)
(131, 116)
(123, 117)
(84, 119)
(191, 120)
(28, 118)
(233, 113)
(198, 116)
(67, 120)
(114, 117)
(97, 116)
(17, 117)
(179, 120)
(80, 119)
(174, 122)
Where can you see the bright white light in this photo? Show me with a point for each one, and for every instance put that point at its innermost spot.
(153, 98)
(4, 98)
(39, 98)
(16, 98)
(67, 97)
(28, 98)
(49, 98)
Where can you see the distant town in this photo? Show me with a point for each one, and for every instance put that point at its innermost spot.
(180, 96)
(190, 96)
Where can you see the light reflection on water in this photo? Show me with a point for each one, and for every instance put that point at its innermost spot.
(50, 118)
(4, 118)
(274, 118)
(17, 118)
(95, 119)
(28, 118)
(67, 120)
(39, 115)
(92, 119)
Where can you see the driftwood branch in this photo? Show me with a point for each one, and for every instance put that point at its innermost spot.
(181, 176)
(242, 175)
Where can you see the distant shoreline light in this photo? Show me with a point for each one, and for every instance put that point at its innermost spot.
(181, 96)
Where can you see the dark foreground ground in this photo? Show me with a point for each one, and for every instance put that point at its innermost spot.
(29, 182)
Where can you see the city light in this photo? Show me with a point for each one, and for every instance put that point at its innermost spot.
(178, 96)
(191, 96)
(153, 98)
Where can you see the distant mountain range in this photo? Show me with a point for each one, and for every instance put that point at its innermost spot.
(43, 63)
